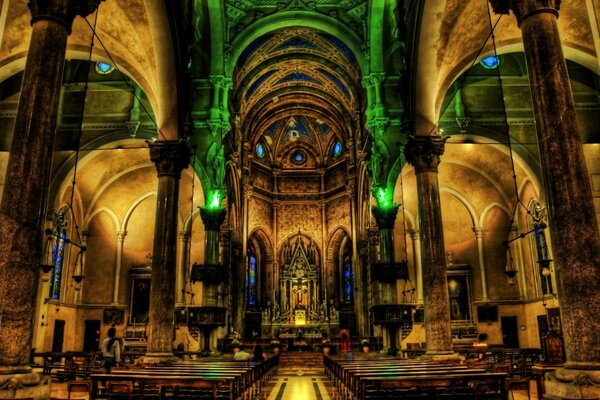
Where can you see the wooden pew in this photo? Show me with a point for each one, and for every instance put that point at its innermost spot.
(392, 381)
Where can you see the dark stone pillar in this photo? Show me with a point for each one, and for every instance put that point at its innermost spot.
(27, 177)
(170, 157)
(213, 218)
(572, 219)
(386, 217)
(423, 152)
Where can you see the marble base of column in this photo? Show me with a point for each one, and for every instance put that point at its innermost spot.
(22, 382)
(574, 381)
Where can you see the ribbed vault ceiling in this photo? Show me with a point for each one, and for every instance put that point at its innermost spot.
(297, 84)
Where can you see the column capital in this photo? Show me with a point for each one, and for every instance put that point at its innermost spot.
(385, 217)
(225, 235)
(121, 236)
(423, 152)
(170, 157)
(414, 234)
(524, 8)
(184, 236)
(220, 81)
(478, 231)
(61, 11)
(213, 218)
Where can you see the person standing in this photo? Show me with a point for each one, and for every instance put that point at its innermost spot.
(111, 350)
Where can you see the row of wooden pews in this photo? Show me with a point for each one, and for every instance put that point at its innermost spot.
(193, 379)
(382, 378)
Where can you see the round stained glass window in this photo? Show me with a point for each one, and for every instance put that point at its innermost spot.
(490, 62)
(337, 149)
(104, 68)
(298, 157)
(260, 150)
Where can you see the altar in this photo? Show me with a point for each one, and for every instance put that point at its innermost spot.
(301, 304)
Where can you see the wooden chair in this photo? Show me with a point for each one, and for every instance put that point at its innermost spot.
(513, 383)
(119, 389)
(79, 387)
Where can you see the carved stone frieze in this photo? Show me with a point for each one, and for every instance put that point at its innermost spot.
(260, 216)
(338, 213)
(242, 13)
(306, 217)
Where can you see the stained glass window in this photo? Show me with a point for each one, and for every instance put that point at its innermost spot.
(260, 150)
(58, 252)
(251, 278)
(490, 62)
(104, 68)
(337, 149)
(348, 280)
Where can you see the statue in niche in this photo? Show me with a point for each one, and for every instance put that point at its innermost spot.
(215, 163)
(378, 164)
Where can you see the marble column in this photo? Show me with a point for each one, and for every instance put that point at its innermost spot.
(572, 219)
(423, 152)
(170, 157)
(483, 274)
(415, 236)
(26, 185)
(184, 239)
(119, 262)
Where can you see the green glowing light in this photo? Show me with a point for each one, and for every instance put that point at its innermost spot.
(382, 199)
(216, 200)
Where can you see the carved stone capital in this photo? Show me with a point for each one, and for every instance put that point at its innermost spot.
(220, 81)
(525, 8)
(377, 126)
(478, 231)
(414, 234)
(373, 79)
(423, 152)
(213, 218)
(61, 11)
(170, 157)
(121, 236)
(184, 236)
(385, 217)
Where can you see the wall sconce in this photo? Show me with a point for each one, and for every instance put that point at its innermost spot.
(47, 261)
(78, 272)
(44, 323)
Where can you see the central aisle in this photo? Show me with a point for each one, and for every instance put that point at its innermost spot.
(300, 376)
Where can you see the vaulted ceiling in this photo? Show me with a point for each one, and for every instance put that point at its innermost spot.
(297, 84)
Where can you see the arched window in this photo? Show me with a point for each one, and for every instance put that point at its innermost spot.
(58, 252)
(348, 280)
(337, 149)
(260, 150)
(104, 68)
(251, 277)
(491, 62)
